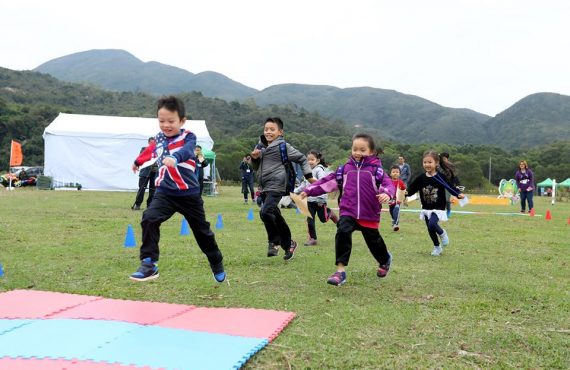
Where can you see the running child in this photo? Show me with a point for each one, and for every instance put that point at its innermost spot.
(431, 186)
(363, 186)
(395, 202)
(267, 159)
(316, 205)
(177, 190)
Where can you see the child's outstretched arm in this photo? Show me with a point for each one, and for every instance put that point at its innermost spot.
(326, 184)
(144, 156)
(297, 157)
(386, 191)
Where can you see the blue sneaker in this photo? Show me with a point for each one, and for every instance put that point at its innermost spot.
(218, 271)
(148, 270)
(338, 278)
(383, 269)
(444, 239)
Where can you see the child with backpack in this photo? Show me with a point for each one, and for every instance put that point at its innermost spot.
(272, 158)
(363, 186)
(316, 205)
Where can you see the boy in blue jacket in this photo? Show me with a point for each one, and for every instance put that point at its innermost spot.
(177, 190)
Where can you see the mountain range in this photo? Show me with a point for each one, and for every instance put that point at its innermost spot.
(534, 120)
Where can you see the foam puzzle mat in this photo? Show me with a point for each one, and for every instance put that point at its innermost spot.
(48, 330)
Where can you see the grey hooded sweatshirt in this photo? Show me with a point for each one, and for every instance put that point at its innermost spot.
(272, 176)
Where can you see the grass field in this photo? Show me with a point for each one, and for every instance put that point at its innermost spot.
(499, 296)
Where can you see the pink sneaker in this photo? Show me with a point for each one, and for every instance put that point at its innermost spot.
(311, 242)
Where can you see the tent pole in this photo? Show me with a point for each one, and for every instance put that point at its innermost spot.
(553, 191)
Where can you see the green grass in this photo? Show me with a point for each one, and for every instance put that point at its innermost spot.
(497, 298)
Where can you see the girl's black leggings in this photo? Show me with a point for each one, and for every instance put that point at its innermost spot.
(433, 228)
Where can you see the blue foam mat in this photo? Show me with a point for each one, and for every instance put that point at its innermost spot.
(8, 324)
(126, 343)
(179, 349)
(60, 338)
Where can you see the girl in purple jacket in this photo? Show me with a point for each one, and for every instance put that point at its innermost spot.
(363, 187)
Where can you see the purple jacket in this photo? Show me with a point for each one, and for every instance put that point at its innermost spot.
(359, 188)
(525, 180)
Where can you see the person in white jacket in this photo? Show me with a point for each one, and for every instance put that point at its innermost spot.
(317, 205)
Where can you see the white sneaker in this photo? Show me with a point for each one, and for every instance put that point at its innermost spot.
(444, 239)
(436, 250)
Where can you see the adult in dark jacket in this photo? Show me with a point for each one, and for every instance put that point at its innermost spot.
(246, 169)
(201, 162)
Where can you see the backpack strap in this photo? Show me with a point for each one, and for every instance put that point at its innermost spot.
(283, 152)
(379, 176)
(339, 175)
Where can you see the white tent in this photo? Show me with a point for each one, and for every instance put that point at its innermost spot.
(98, 151)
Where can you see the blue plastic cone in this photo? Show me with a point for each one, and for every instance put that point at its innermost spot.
(130, 237)
(250, 215)
(184, 228)
(219, 223)
(1, 271)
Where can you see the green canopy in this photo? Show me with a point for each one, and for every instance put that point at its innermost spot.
(208, 154)
(565, 183)
(545, 183)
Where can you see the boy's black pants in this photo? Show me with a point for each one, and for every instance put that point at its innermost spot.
(343, 241)
(192, 208)
(278, 231)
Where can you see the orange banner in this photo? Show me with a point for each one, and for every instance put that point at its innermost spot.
(16, 157)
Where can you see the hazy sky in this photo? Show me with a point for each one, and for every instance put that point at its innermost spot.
(481, 54)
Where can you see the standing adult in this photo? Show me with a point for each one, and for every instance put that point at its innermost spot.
(246, 169)
(146, 178)
(525, 182)
(405, 170)
(201, 162)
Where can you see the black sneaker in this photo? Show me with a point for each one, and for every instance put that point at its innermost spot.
(136, 207)
(272, 250)
(289, 254)
(218, 271)
(148, 270)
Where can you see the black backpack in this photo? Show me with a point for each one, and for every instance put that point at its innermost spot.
(291, 174)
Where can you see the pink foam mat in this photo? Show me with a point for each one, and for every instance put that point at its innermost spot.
(256, 323)
(244, 322)
(144, 313)
(51, 364)
(34, 304)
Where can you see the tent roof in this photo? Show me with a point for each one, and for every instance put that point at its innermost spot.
(81, 125)
(547, 182)
(565, 183)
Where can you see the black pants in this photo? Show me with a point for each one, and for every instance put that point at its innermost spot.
(247, 187)
(343, 241)
(192, 208)
(433, 228)
(278, 231)
(319, 209)
(143, 182)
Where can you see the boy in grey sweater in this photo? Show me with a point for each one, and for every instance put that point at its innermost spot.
(272, 173)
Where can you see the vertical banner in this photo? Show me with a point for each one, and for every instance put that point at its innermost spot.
(16, 157)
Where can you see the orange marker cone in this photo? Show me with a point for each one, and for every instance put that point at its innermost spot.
(568, 220)
(531, 213)
(548, 215)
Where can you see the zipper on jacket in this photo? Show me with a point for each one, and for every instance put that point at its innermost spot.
(357, 192)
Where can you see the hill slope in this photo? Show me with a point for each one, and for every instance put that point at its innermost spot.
(534, 120)
(404, 118)
(119, 70)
